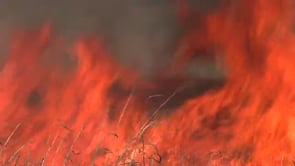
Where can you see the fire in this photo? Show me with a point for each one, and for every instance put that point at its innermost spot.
(92, 114)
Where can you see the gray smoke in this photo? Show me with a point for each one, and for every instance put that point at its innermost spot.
(141, 33)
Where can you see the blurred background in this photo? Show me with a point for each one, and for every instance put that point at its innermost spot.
(141, 33)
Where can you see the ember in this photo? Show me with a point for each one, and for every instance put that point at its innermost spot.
(100, 112)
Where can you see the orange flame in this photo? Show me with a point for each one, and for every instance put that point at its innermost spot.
(52, 116)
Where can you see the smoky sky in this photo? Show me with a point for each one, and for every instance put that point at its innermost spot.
(141, 33)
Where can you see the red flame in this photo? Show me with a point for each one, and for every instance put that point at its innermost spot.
(54, 116)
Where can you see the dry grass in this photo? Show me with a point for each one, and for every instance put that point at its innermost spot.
(137, 152)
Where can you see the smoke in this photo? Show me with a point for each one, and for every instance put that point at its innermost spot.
(141, 33)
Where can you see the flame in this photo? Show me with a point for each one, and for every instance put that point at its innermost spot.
(56, 116)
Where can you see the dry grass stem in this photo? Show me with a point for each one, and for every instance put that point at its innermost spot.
(68, 155)
(126, 106)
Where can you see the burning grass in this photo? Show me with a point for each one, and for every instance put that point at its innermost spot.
(54, 117)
